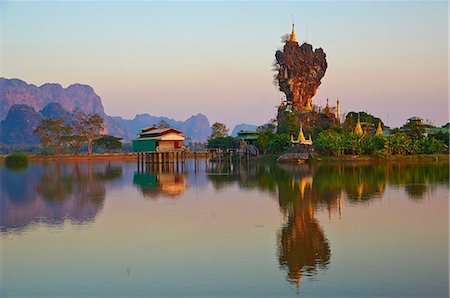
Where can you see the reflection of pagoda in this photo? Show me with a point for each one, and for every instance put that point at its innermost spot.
(303, 247)
(155, 183)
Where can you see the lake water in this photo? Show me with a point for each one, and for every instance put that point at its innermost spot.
(111, 229)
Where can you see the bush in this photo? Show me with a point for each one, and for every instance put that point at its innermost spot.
(16, 161)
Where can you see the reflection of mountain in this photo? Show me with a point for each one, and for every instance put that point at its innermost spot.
(54, 193)
(155, 182)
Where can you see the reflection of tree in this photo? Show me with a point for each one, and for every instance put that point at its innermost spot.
(88, 184)
(56, 192)
(302, 189)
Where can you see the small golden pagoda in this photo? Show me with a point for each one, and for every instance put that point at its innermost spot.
(358, 128)
(301, 136)
(379, 131)
(293, 38)
(308, 106)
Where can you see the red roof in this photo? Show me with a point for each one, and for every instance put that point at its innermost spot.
(155, 131)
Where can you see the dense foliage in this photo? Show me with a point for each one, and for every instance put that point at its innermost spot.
(16, 161)
(84, 129)
(108, 143)
(337, 144)
(223, 143)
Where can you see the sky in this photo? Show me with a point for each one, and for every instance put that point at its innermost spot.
(178, 59)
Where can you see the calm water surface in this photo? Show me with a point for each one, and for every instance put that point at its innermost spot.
(109, 229)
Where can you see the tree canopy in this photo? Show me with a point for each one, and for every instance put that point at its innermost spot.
(218, 130)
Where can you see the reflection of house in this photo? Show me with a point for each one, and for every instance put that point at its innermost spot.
(154, 139)
(160, 184)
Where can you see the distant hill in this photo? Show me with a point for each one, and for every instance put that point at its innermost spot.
(196, 127)
(242, 126)
(32, 103)
(18, 127)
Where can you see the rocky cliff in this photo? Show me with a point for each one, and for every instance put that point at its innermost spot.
(23, 105)
(300, 70)
(76, 97)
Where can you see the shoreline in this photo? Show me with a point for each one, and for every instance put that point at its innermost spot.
(260, 158)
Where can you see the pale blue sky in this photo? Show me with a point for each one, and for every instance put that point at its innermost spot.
(181, 58)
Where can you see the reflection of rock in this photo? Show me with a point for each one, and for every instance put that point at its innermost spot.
(303, 247)
(155, 184)
(54, 193)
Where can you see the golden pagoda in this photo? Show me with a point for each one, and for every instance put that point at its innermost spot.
(301, 136)
(308, 106)
(293, 38)
(358, 128)
(379, 131)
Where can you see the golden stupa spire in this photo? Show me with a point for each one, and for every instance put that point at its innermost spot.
(308, 106)
(293, 38)
(379, 131)
(358, 128)
(301, 136)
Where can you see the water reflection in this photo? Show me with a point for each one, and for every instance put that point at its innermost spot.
(54, 193)
(156, 181)
(303, 248)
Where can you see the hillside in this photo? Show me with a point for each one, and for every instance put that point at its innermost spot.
(22, 105)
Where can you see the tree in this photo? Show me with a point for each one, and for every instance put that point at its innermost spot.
(223, 143)
(414, 129)
(218, 130)
(109, 143)
(75, 142)
(90, 127)
(288, 123)
(352, 117)
(51, 133)
(163, 124)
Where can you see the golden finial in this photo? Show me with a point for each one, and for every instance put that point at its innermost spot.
(379, 131)
(293, 37)
(358, 128)
(301, 137)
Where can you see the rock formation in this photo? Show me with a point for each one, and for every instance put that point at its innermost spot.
(54, 101)
(18, 127)
(300, 70)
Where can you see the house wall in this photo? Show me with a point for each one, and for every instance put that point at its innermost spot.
(166, 145)
(144, 145)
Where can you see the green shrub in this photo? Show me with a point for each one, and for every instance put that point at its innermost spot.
(16, 161)
(379, 153)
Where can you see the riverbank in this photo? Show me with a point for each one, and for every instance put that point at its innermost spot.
(261, 158)
(94, 157)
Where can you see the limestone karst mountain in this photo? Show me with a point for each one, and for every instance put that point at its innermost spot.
(22, 105)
